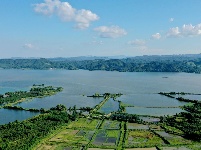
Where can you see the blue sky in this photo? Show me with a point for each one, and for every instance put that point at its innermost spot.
(65, 28)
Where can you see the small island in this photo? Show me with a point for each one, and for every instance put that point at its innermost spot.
(35, 91)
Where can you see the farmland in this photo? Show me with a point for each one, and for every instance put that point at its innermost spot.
(101, 131)
(110, 130)
(76, 135)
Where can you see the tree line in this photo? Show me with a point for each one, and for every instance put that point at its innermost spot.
(144, 64)
(188, 122)
(26, 134)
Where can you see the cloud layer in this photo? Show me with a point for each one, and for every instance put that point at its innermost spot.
(66, 12)
(110, 32)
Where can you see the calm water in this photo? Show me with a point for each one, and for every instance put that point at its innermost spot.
(61, 98)
(109, 106)
(7, 115)
(153, 111)
(150, 100)
(139, 89)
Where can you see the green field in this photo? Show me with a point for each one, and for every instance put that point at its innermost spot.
(114, 131)
(142, 138)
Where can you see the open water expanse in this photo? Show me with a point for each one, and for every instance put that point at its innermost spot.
(139, 89)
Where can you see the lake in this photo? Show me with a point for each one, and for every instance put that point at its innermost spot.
(139, 88)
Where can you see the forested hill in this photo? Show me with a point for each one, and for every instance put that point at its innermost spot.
(167, 63)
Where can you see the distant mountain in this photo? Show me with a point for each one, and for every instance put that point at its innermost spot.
(190, 63)
(80, 58)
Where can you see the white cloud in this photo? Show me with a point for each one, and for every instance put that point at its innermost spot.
(137, 42)
(173, 32)
(156, 36)
(185, 31)
(190, 30)
(66, 12)
(84, 17)
(28, 46)
(110, 32)
(171, 19)
(47, 8)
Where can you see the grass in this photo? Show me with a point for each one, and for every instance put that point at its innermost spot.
(65, 138)
(194, 146)
(152, 148)
(108, 124)
(105, 139)
(174, 139)
(155, 127)
(173, 130)
(83, 123)
(137, 126)
(84, 133)
(75, 134)
(177, 140)
(142, 138)
(112, 133)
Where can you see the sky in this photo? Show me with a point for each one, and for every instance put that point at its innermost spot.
(71, 28)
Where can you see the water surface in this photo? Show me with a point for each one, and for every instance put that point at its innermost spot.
(7, 115)
(139, 89)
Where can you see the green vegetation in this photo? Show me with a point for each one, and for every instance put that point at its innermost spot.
(173, 95)
(109, 124)
(83, 123)
(21, 108)
(188, 122)
(125, 117)
(171, 63)
(35, 91)
(186, 100)
(25, 134)
(96, 95)
(97, 107)
(106, 96)
(75, 135)
(142, 138)
(62, 128)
